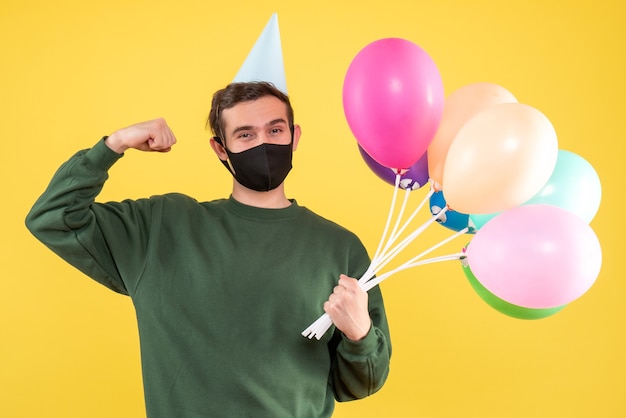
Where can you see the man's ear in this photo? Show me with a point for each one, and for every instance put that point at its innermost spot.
(297, 131)
(218, 148)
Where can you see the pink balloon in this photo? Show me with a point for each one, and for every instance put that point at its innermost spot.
(393, 101)
(536, 256)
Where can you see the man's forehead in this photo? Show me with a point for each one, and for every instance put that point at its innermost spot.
(267, 110)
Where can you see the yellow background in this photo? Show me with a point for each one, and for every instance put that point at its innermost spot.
(73, 71)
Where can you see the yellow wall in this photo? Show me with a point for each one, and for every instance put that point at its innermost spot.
(73, 71)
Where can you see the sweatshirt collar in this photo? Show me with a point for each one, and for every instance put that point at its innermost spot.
(253, 212)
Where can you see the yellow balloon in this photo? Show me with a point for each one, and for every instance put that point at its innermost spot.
(459, 108)
(499, 159)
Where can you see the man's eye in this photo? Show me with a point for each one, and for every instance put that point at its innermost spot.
(276, 131)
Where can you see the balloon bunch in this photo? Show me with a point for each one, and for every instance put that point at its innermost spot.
(525, 203)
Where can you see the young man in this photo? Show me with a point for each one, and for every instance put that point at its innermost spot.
(223, 289)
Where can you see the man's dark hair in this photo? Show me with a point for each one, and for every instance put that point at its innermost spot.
(236, 93)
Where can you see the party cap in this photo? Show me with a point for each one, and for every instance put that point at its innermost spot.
(265, 60)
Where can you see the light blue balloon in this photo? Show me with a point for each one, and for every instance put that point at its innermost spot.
(477, 221)
(574, 186)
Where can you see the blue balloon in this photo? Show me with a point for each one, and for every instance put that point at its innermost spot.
(452, 219)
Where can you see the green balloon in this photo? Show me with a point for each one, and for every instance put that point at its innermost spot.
(505, 307)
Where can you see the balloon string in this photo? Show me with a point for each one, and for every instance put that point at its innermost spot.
(386, 258)
(374, 282)
(384, 254)
(367, 274)
(395, 233)
(318, 328)
(413, 260)
(434, 247)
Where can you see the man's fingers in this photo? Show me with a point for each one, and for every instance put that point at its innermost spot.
(162, 139)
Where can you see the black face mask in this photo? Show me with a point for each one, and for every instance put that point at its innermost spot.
(261, 168)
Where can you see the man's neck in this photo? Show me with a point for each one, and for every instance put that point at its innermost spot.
(273, 199)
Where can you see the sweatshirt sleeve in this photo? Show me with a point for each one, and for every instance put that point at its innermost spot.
(360, 368)
(94, 237)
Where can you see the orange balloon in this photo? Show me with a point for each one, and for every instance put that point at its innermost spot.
(499, 159)
(458, 108)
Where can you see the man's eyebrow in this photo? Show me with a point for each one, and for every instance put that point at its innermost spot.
(243, 128)
(250, 127)
(276, 122)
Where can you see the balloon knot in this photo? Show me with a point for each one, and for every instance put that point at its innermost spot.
(401, 171)
(434, 185)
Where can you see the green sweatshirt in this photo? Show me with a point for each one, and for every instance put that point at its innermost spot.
(222, 292)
